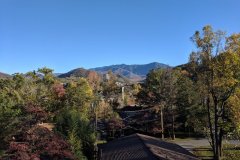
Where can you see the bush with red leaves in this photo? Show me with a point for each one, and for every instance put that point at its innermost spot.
(115, 123)
(21, 151)
(39, 143)
(39, 113)
(58, 90)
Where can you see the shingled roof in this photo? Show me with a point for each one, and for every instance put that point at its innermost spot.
(142, 147)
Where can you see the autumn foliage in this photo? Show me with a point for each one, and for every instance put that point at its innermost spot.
(39, 143)
(58, 90)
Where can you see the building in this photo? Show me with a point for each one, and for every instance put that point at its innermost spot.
(142, 147)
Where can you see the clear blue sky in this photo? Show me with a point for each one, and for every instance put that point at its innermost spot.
(66, 34)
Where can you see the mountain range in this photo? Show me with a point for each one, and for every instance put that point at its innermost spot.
(131, 72)
(134, 72)
(123, 72)
(4, 75)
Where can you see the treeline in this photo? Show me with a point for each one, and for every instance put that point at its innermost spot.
(202, 96)
(44, 117)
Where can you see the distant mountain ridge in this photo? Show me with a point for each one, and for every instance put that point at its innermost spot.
(79, 72)
(4, 75)
(134, 72)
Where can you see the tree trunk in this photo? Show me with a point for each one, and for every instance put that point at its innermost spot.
(169, 133)
(210, 125)
(217, 155)
(189, 132)
(221, 129)
(173, 127)
(162, 127)
(220, 142)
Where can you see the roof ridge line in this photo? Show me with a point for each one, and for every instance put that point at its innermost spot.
(144, 144)
(141, 136)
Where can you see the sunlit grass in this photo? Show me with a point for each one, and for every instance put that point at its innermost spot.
(203, 152)
(101, 142)
(230, 152)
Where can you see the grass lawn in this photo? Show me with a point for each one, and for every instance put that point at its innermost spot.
(101, 142)
(203, 152)
(202, 149)
(230, 152)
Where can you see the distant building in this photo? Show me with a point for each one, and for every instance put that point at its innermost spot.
(106, 77)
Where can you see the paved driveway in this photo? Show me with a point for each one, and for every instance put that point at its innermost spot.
(190, 144)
